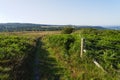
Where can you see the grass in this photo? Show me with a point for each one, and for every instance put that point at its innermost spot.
(31, 33)
(66, 49)
(59, 56)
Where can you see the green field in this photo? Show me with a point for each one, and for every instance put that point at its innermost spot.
(52, 55)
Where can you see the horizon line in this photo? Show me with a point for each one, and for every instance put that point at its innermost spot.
(53, 24)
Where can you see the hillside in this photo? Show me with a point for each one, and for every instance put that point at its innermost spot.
(10, 27)
(56, 56)
(113, 27)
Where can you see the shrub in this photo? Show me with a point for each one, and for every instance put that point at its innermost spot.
(67, 30)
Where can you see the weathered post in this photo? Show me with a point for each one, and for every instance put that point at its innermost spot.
(82, 45)
(98, 65)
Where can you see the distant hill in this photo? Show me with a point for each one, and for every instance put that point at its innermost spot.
(24, 27)
(37, 27)
(113, 27)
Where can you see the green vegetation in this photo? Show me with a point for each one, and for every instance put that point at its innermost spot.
(57, 56)
(15, 54)
(101, 45)
(67, 30)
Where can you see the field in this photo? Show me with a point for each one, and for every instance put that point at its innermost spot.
(51, 55)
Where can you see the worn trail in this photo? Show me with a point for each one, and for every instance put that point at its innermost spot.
(36, 68)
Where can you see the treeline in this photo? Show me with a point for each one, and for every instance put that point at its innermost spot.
(11, 27)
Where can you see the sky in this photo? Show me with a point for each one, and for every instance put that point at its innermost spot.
(70, 12)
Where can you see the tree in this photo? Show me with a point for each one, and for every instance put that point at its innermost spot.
(67, 30)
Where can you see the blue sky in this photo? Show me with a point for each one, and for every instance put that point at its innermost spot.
(75, 12)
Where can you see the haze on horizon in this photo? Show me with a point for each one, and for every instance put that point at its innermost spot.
(75, 12)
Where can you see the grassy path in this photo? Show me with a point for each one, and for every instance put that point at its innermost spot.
(36, 68)
(46, 67)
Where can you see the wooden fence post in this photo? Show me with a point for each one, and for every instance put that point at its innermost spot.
(98, 65)
(82, 45)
